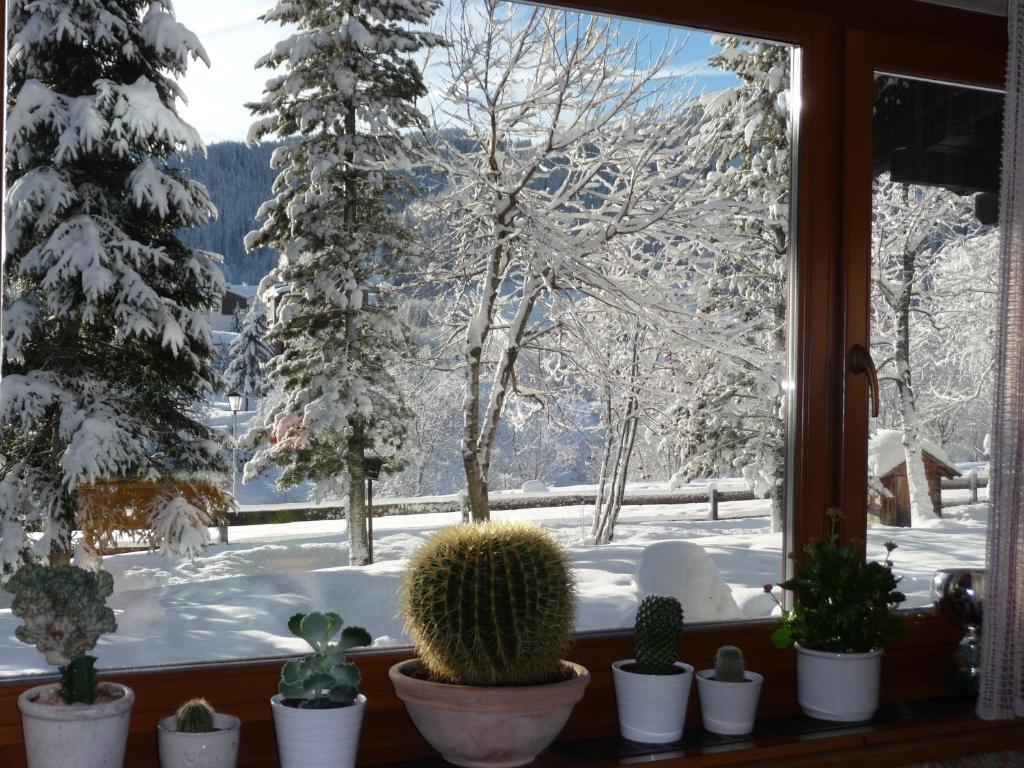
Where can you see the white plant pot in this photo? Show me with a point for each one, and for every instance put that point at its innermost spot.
(317, 738)
(75, 735)
(216, 749)
(726, 708)
(841, 687)
(652, 708)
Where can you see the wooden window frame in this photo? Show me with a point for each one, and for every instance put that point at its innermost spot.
(843, 44)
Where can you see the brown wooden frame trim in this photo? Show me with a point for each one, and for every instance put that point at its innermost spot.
(842, 43)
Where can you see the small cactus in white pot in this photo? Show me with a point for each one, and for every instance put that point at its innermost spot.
(318, 710)
(198, 735)
(64, 612)
(652, 690)
(729, 694)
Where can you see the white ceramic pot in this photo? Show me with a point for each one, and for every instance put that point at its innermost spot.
(652, 708)
(728, 709)
(317, 738)
(216, 749)
(841, 687)
(76, 735)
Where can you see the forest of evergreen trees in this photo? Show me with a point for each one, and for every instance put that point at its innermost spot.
(238, 178)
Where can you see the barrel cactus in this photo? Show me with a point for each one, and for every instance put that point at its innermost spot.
(65, 612)
(490, 604)
(659, 625)
(729, 666)
(195, 716)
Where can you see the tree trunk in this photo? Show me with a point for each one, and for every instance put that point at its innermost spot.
(777, 495)
(358, 541)
(623, 458)
(355, 455)
(606, 457)
(917, 481)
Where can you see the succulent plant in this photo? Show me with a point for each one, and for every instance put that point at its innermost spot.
(490, 604)
(65, 612)
(324, 678)
(195, 716)
(843, 604)
(729, 666)
(659, 625)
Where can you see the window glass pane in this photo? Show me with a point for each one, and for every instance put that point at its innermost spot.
(585, 241)
(934, 284)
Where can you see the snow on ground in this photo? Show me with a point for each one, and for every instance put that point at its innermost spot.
(233, 602)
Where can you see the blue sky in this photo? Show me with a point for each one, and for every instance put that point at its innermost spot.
(234, 38)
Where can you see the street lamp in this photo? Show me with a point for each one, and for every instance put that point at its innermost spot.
(236, 403)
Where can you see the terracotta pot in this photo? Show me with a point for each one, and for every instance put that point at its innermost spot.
(840, 687)
(76, 735)
(485, 727)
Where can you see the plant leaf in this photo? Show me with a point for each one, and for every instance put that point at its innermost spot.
(315, 629)
(295, 623)
(355, 637)
(343, 693)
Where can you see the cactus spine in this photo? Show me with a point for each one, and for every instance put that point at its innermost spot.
(659, 625)
(195, 716)
(490, 604)
(729, 667)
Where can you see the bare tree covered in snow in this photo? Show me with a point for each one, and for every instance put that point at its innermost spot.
(731, 418)
(555, 139)
(105, 349)
(933, 270)
(348, 86)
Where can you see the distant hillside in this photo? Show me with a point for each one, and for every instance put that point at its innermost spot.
(239, 179)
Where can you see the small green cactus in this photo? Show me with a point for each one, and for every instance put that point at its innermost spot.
(659, 626)
(490, 604)
(195, 716)
(65, 612)
(729, 667)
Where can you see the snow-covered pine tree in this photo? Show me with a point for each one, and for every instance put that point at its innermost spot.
(249, 354)
(349, 85)
(105, 346)
(732, 420)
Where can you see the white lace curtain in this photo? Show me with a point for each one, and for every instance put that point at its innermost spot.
(1002, 677)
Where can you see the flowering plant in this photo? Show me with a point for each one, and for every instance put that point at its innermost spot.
(843, 604)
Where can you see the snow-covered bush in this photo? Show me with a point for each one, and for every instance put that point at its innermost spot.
(105, 349)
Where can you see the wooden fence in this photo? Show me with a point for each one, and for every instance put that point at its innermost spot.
(710, 495)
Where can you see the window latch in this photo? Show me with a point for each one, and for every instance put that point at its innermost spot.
(861, 362)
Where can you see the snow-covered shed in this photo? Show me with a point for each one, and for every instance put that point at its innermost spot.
(888, 462)
(237, 297)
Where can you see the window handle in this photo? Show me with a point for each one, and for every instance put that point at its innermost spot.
(861, 362)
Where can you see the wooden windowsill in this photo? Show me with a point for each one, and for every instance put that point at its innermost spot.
(913, 680)
(899, 734)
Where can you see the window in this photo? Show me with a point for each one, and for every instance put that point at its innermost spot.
(934, 284)
(841, 50)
